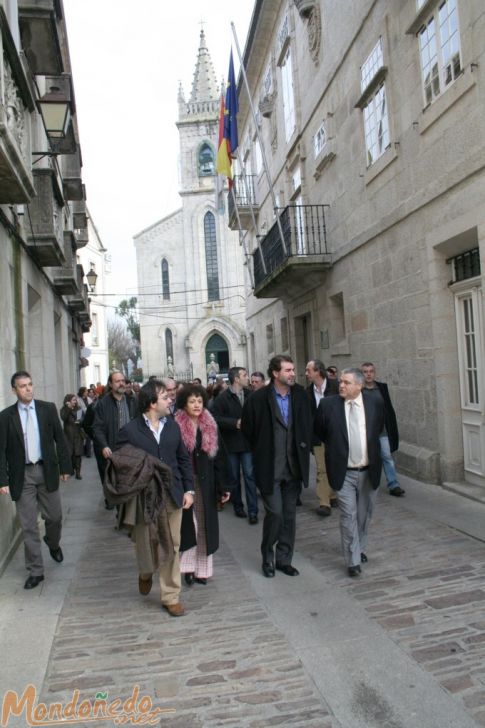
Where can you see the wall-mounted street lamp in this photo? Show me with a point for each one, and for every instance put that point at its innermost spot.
(91, 278)
(55, 109)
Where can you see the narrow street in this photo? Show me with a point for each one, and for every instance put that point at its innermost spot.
(403, 646)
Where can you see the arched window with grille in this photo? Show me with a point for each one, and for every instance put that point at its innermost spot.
(165, 281)
(206, 160)
(211, 257)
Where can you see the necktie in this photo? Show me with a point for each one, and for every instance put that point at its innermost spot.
(355, 447)
(33, 453)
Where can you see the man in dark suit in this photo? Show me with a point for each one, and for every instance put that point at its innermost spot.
(350, 425)
(33, 456)
(320, 386)
(227, 411)
(390, 435)
(155, 432)
(277, 422)
(112, 411)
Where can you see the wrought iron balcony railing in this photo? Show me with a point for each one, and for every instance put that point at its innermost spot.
(304, 233)
(245, 196)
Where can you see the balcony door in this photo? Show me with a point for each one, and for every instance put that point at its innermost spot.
(301, 246)
(469, 327)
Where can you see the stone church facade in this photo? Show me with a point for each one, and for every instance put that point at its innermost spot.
(190, 260)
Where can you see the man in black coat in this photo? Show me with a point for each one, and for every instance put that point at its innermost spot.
(350, 425)
(227, 412)
(277, 422)
(320, 386)
(110, 414)
(156, 432)
(33, 456)
(390, 435)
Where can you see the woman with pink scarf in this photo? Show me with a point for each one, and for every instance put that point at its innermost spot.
(200, 436)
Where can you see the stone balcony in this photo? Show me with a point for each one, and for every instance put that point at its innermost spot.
(78, 304)
(300, 263)
(38, 21)
(45, 233)
(65, 278)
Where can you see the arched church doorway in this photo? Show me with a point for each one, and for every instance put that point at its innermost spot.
(217, 345)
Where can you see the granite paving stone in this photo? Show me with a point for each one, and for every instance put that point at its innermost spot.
(253, 652)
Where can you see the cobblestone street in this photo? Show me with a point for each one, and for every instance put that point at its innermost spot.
(404, 645)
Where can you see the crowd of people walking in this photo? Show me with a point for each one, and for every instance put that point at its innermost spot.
(171, 454)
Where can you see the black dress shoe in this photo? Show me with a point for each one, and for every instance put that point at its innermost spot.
(109, 506)
(33, 581)
(189, 578)
(353, 570)
(324, 511)
(56, 554)
(287, 569)
(253, 520)
(241, 513)
(200, 580)
(363, 559)
(268, 569)
(145, 585)
(397, 491)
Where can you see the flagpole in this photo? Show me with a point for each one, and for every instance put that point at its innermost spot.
(260, 140)
(251, 208)
(242, 237)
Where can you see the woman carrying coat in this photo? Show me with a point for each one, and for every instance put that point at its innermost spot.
(73, 432)
(200, 436)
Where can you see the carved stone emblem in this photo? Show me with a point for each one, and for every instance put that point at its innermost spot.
(314, 27)
(15, 110)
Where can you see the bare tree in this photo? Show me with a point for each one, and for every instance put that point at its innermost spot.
(127, 310)
(122, 348)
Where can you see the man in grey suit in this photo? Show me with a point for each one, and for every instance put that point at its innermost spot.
(350, 424)
(33, 450)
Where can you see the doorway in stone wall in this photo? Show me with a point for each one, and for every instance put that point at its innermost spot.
(217, 345)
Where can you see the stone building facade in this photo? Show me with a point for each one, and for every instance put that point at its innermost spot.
(190, 269)
(372, 119)
(45, 307)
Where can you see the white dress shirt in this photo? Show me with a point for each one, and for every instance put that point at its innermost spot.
(318, 392)
(359, 405)
(22, 408)
(156, 432)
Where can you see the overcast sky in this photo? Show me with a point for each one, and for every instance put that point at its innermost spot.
(127, 61)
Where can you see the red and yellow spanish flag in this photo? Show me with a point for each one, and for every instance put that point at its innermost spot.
(223, 163)
(228, 138)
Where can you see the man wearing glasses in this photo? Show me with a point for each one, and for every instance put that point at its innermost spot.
(171, 389)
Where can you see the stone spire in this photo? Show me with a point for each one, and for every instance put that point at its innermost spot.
(204, 85)
(181, 99)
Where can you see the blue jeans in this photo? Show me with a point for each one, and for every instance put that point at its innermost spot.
(237, 460)
(388, 462)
